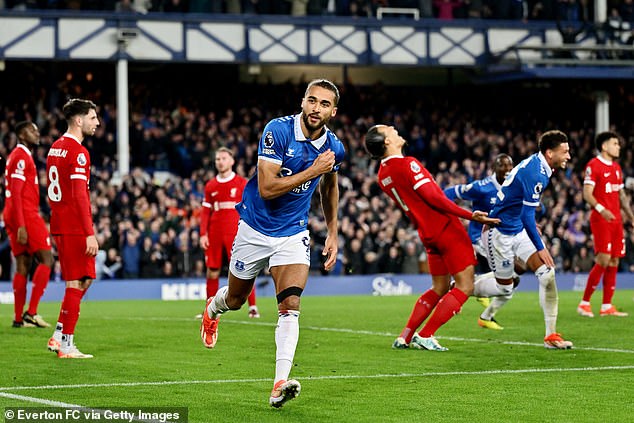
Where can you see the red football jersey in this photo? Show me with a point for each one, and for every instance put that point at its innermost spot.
(22, 188)
(221, 197)
(607, 179)
(413, 188)
(68, 170)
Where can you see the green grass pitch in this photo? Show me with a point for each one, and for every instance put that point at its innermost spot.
(148, 353)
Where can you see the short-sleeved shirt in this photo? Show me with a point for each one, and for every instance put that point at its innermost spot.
(284, 143)
(607, 179)
(68, 161)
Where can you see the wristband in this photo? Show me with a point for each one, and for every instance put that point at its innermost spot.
(599, 207)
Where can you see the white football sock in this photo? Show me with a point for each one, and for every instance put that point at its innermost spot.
(548, 298)
(286, 337)
(57, 335)
(219, 303)
(67, 343)
(496, 304)
(486, 285)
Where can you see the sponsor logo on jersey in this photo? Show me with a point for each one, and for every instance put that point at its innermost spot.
(233, 192)
(290, 152)
(81, 159)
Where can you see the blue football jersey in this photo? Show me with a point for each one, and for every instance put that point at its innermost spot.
(483, 195)
(284, 143)
(523, 187)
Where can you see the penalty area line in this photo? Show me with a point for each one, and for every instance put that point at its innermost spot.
(329, 377)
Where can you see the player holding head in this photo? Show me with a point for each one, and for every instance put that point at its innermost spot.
(517, 236)
(68, 170)
(27, 231)
(295, 154)
(219, 220)
(413, 189)
(603, 191)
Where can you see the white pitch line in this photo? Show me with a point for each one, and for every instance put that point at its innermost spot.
(329, 377)
(386, 334)
(38, 400)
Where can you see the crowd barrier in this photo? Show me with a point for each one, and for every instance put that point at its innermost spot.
(194, 289)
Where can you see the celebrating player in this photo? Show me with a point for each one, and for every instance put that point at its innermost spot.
(483, 194)
(294, 155)
(27, 231)
(68, 170)
(517, 235)
(603, 191)
(449, 250)
(219, 221)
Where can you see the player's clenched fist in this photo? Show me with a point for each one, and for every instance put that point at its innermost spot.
(324, 162)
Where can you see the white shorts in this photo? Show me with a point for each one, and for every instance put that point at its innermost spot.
(252, 251)
(479, 247)
(503, 249)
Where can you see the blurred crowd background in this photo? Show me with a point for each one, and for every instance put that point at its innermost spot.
(148, 221)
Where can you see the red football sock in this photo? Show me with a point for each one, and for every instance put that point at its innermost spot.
(70, 309)
(19, 293)
(447, 307)
(593, 281)
(40, 280)
(609, 284)
(212, 286)
(423, 307)
(251, 298)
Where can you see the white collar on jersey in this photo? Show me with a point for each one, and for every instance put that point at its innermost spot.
(227, 179)
(545, 164)
(494, 181)
(299, 135)
(24, 147)
(604, 160)
(68, 135)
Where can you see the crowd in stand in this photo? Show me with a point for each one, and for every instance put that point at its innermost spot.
(441, 9)
(147, 222)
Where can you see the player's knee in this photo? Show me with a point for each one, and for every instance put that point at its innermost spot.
(288, 298)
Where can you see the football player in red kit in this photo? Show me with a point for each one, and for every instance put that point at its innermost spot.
(27, 231)
(603, 191)
(219, 221)
(413, 189)
(68, 171)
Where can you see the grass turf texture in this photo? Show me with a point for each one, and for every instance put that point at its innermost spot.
(345, 362)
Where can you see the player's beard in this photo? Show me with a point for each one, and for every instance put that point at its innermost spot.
(313, 128)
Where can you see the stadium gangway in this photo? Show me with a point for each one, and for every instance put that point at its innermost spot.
(549, 53)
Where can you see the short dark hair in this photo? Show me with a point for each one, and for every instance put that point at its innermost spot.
(21, 126)
(603, 137)
(324, 83)
(500, 157)
(77, 106)
(375, 142)
(551, 140)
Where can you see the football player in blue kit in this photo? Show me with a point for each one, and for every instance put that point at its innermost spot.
(483, 195)
(518, 237)
(296, 154)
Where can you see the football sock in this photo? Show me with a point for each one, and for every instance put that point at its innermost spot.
(609, 284)
(19, 294)
(496, 304)
(40, 280)
(212, 286)
(219, 303)
(67, 342)
(548, 298)
(486, 285)
(57, 335)
(593, 281)
(423, 307)
(251, 298)
(70, 309)
(446, 308)
(286, 337)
